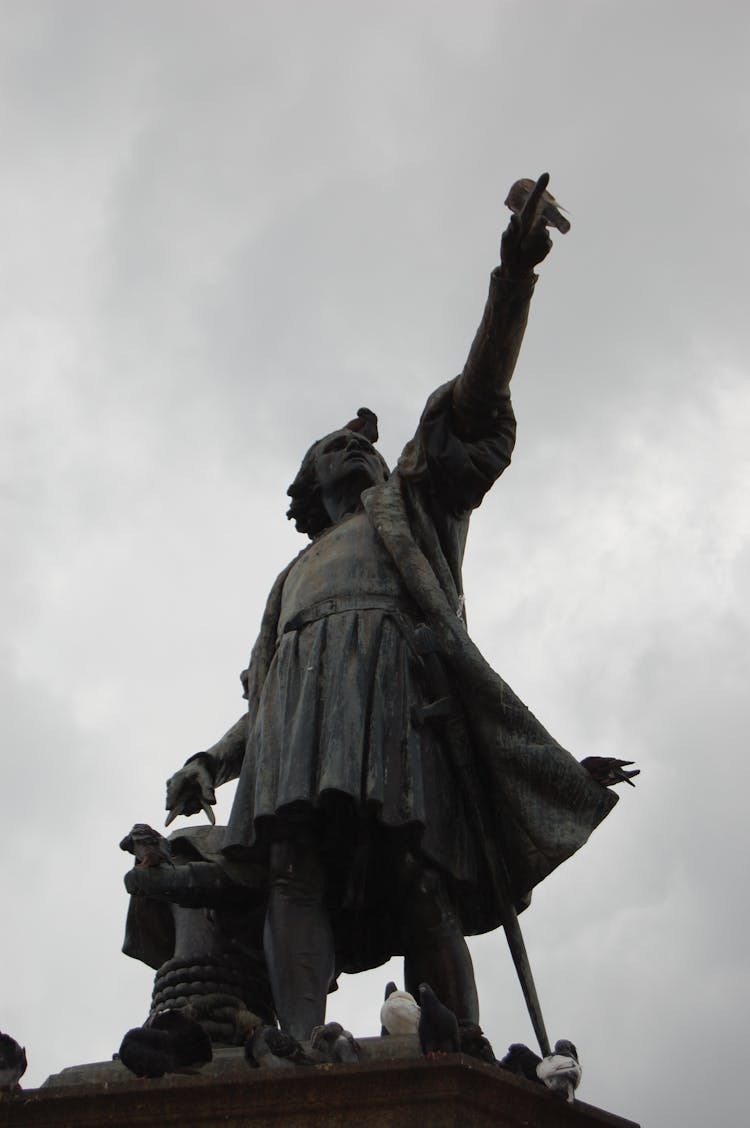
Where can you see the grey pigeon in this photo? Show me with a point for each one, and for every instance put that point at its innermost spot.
(169, 1042)
(550, 212)
(149, 847)
(270, 1048)
(560, 1070)
(522, 1061)
(399, 1013)
(474, 1042)
(608, 771)
(334, 1043)
(12, 1062)
(438, 1025)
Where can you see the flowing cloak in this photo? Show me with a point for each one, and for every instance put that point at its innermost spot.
(539, 804)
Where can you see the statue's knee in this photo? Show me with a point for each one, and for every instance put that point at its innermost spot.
(427, 905)
(296, 870)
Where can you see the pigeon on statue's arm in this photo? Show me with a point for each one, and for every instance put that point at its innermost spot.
(608, 771)
(149, 847)
(549, 210)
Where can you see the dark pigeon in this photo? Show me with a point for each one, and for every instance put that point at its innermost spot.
(608, 771)
(148, 1053)
(474, 1042)
(521, 1061)
(192, 1043)
(149, 847)
(334, 1043)
(438, 1026)
(270, 1048)
(560, 1070)
(169, 1042)
(12, 1062)
(366, 423)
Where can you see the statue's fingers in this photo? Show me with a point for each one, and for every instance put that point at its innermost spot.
(178, 805)
(208, 809)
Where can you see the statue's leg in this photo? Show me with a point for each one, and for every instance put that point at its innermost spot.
(435, 949)
(297, 937)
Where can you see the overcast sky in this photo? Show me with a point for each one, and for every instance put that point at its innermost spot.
(224, 227)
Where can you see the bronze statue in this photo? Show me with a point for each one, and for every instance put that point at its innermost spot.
(397, 793)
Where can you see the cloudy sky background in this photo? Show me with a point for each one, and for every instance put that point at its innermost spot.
(226, 226)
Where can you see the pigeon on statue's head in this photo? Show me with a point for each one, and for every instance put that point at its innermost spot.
(365, 423)
(560, 1070)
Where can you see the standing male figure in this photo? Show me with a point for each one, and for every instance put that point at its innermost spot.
(360, 768)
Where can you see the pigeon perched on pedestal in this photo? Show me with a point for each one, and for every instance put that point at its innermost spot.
(270, 1048)
(169, 1042)
(560, 1070)
(608, 771)
(12, 1062)
(474, 1042)
(399, 1013)
(438, 1025)
(334, 1043)
(522, 1061)
(149, 847)
(550, 210)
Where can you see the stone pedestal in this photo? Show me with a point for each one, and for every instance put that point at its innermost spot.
(380, 1092)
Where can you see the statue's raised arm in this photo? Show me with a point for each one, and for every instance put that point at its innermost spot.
(480, 394)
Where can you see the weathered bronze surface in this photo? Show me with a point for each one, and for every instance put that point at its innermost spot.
(394, 794)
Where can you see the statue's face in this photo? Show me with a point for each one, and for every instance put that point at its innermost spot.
(346, 463)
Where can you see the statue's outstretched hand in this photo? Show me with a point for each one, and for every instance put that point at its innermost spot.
(526, 240)
(191, 789)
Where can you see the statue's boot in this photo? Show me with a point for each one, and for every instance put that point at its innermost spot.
(436, 951)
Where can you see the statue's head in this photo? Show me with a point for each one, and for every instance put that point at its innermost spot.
(333, 474)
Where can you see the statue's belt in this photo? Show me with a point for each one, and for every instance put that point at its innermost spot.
(419, 638)
(334, 606)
